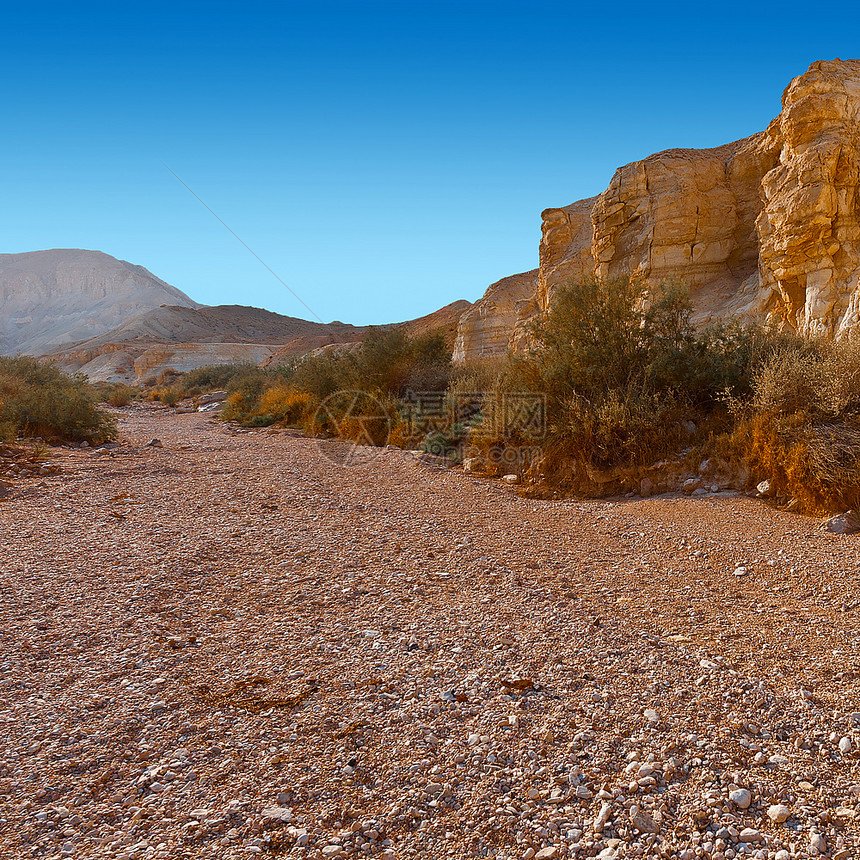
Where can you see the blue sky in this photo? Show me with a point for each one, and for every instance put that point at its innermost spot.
(383, 158)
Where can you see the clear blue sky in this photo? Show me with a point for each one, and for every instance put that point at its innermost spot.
(384, 157)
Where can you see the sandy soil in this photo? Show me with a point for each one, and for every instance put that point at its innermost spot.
(231, 645)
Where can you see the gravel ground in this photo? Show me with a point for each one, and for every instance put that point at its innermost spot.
(230, 645)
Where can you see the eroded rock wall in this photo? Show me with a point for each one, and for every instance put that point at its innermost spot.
(485, 329)
(766, 228)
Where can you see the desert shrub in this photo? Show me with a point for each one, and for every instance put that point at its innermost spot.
(214, 377)
(801, 428)
(358, 388)
(627, 379)
(115, 393)
(326, 373)
(37, 399)
(120, 394)
(284, 404)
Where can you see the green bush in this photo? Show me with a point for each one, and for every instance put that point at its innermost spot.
(389, 363)
(626, 375)
(37, 399)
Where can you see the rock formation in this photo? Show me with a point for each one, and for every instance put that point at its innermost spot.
(485, 329)
(52, 297)
(766, 228)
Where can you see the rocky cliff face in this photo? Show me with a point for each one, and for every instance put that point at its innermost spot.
(485, 328)
(766, 228)
(52, 297)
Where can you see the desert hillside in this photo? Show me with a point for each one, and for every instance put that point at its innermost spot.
(48, 298)
(181, 338)
(765, 228)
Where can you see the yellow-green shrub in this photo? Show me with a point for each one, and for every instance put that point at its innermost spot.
(37, 399)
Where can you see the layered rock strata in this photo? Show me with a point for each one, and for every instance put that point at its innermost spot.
(766, 228)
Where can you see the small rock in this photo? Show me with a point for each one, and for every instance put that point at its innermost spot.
(547, 853)
(277, 815)
(332, 851)
(778, 813)
(642, 821)
(646, 488)
(844, 524)
(651, 715)
(741, 798)
(472, 464)
(740, 571)
(602, 817)
(749, 834)
(513, 479)
(211, 397)
(154, 443)
(818, 842)
(764, 490)
(845, 745)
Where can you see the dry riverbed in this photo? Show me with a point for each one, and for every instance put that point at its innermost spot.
(232, 646)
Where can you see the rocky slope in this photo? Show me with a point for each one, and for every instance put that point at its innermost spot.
(52, 297)
(766, 228)
(181, 338)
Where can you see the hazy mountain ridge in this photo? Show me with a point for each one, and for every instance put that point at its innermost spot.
(48, 298)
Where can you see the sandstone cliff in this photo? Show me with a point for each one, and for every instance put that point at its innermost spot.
(53, 297)
(766, 228)
(485, 329)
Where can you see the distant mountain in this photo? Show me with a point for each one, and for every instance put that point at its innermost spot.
(182, 338)
(48, 298)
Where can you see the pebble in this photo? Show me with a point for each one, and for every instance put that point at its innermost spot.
(409, 737)
(778, 813)
(749, 834)
(845, 745)
(741, 797)
(642, 821)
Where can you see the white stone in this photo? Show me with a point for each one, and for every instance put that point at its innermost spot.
(778, 812)
(741, 798)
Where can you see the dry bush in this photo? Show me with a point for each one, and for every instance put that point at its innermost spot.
(624, 374)
(281, 403)
(37, 399)
(120, 394)
(801, 429)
